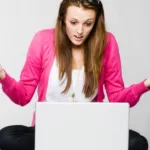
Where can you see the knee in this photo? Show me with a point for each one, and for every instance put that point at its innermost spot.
(5, 136)
(137, 141)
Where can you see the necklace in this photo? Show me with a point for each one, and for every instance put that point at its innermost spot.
(73, 94)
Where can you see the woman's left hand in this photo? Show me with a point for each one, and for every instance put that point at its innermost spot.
(147, 83)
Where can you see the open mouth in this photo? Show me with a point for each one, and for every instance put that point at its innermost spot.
(78, 37)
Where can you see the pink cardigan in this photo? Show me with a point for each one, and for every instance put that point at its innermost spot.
(38, 65)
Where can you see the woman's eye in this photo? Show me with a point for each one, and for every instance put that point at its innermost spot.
(88, 24)
(73, 23)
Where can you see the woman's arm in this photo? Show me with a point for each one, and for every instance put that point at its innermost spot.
(116, 91)
(21, 92)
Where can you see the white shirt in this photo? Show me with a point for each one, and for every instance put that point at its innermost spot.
(55, 87)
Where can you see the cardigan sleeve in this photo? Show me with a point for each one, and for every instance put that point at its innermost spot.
(21, 92)
(113, 81)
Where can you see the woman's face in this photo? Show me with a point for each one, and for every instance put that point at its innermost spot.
(79, 23)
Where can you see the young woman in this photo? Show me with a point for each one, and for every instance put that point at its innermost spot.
(70, 63)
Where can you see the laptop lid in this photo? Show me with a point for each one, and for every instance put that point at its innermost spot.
(81, 126)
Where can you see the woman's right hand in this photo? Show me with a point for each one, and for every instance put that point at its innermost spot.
(2, 73)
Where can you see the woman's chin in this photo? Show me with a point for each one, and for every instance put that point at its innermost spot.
(77, 43)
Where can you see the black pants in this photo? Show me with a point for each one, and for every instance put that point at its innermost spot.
(20, 137)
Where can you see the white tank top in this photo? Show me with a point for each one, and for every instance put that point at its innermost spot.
(55, 87)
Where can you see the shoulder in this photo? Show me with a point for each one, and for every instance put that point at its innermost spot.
(44, 39)
(46, 32)
(45, 35)
(111, 49)
(42, 42)
(111, 40)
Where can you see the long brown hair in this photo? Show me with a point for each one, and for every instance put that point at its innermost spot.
(93, 46)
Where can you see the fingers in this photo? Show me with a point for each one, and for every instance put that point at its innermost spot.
(1, 69)
(2, 73)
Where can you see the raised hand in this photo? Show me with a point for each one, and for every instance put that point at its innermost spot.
(2, 73)
(147, 82)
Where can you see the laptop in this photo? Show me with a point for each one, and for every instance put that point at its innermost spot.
(81, 126)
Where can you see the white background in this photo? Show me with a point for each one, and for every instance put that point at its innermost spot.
(128, 20)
